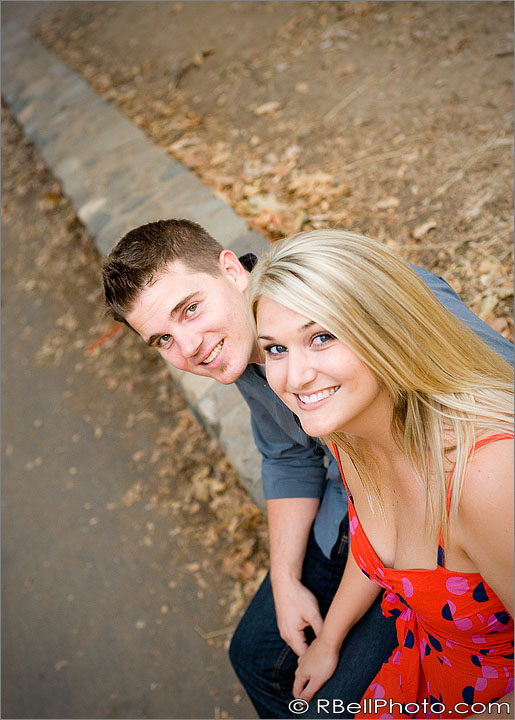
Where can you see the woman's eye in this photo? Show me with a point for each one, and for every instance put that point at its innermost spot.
(322, 338)
(191, 309)
(163, 340)
(275, 350)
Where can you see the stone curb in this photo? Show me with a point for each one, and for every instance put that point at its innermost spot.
(116, 179)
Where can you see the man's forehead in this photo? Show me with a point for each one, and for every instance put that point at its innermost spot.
(175, 269)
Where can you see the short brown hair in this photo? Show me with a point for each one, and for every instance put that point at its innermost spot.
(144, 251)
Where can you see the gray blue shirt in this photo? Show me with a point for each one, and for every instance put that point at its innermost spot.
(297, 465)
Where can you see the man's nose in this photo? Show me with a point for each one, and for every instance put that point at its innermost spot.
(189, 343)
(301, 371)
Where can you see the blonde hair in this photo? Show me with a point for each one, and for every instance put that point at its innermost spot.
(443, 380)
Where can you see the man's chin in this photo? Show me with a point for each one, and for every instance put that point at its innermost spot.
(227, 374)
(227, 378)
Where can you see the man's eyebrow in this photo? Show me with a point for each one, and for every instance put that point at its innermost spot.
(301, 329)
(184, 301)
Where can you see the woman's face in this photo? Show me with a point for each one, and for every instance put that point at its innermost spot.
(318, 377)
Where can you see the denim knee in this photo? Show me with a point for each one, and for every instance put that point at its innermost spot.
(238, 649)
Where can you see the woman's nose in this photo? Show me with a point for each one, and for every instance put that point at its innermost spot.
(301, 371)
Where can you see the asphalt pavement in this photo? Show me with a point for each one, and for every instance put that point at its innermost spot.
(90, 624)
(97, 620)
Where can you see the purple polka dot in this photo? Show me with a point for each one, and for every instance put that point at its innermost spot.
(386, 717)
(378, 691)
(380, 571)
(463, 624)
(452, 606)
(481, 683)
(478, 639)
(407, 586)
(494, 625)
(457, 585)
(489, 672)
(353, 524)
(509, 686)
(396, 658)
(423, 644)
(406, 614)
(480, 617)
(446, 661)
(390, 597)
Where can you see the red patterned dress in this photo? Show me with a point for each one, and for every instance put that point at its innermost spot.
(455, 636)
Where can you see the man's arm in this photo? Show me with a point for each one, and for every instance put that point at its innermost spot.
(452, 302)
(289, 523)
(294, 479)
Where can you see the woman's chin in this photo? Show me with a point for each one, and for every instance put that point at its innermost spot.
(316, 428)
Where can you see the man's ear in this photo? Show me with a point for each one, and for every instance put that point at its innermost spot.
(232, 267)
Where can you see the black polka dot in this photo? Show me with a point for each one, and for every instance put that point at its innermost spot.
(502, 617)
(409, 640)
(446, 612)
(479, 593)
(468, 694)
(434, 642)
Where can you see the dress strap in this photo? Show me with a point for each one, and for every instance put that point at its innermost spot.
(337, 455)
(476, 446)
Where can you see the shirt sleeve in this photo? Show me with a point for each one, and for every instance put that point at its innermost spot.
(452, 302)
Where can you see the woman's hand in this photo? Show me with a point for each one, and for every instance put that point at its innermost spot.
(315, 667)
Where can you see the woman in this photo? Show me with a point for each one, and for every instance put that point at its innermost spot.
(420, 417)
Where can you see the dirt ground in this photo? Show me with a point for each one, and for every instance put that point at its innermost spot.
(393, 119)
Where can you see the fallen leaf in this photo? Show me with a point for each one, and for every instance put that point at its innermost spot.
(423, 229)
(488, 305)
(257, 203)
(268, 108)
(389, 202)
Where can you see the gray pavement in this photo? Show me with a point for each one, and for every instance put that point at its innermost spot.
(100, 616)
(84, 632)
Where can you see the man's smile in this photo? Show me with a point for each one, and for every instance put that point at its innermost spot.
(213, 354)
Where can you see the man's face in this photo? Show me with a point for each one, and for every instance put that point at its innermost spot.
(200, 323)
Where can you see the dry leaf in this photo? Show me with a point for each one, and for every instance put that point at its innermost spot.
(423, 229)
(268, 108)
(389, 202)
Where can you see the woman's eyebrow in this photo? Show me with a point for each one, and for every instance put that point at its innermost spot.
(302, 328)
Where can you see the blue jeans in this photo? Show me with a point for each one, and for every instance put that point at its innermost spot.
(266, 665)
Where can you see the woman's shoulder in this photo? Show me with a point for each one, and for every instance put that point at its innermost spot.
(485, 515)
(489, 477)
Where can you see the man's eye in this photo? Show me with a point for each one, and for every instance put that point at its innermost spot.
(191, 309)
(275, 350)
(163, 340)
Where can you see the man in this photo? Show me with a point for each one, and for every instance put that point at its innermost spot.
(185, 295)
